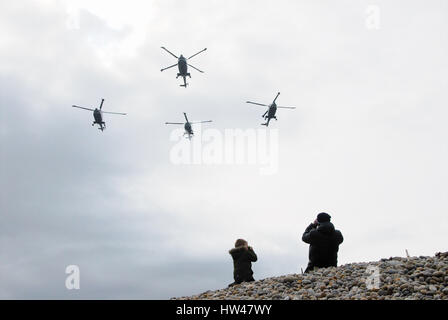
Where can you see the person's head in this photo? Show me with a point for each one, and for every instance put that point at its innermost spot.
(240, 243)
(323, 217)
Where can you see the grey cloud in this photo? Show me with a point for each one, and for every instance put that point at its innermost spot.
(366, 143)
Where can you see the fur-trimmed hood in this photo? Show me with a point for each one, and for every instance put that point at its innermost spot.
(237, 249)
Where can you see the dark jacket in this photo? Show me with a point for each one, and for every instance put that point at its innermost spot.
(242, 263)
(324, 243)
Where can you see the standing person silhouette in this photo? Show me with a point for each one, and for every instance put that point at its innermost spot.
(324, 242)
(242, 256)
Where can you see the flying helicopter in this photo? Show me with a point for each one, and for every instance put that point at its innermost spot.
(272, 109)
(98, 115)
(183, 66)
(187, 125)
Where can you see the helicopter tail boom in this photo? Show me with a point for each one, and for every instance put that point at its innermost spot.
(185, 82)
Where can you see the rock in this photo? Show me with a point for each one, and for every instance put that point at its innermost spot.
(311, 292)
(382, 292)
(395, 263)
(288, 279)
(422, 278)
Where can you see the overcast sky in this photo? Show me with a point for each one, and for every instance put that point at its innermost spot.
(367, 142)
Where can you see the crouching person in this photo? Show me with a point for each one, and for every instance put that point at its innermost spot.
(242, 256)
(324, 242)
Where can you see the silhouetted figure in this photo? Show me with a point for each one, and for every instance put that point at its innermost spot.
(324, 242)
(243, 256)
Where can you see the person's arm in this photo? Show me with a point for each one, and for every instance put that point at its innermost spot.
(307, 235)
(252, 255)
(340, 237)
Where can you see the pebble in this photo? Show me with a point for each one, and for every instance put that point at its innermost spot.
(413, 278)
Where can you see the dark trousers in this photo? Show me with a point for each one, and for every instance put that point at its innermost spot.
(311, 266)
(241, 280)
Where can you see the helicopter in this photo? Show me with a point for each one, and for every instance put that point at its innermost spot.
(270, 113)
(187, 125)
(183, 66)
(98, 115)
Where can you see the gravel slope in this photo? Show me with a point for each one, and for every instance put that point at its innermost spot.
(420, 278)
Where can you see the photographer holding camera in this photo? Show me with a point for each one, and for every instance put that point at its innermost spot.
(324, 242)
(243, 255)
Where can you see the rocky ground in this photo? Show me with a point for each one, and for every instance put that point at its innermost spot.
(413, 278)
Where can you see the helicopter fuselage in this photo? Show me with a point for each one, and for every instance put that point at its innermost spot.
(183, 70)
(188, 129)
(97, 115)
(183, 67)
(187, 126)
(270, 114)
(272, 110)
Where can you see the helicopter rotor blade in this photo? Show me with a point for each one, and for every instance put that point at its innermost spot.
(170, 52)
(101, 106)
(195, 68)
(201, 121)
(120, 113)
(286, 107)
(82, 108)
(185, 115)
(197, 53)
(276, 97)
(169, 67)
(258, 104)
(174, 123)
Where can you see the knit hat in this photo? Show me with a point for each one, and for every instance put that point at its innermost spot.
(323, 217)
